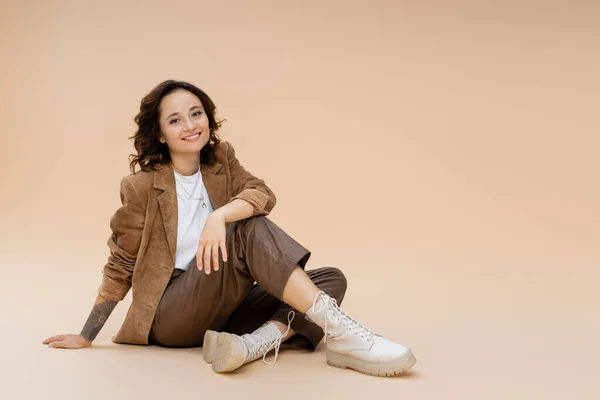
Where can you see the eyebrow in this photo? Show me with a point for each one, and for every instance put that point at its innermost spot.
(175, 113)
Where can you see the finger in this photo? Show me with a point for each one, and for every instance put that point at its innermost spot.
(215, 254)
(224, 251)
(58, 344)
(54, 339)
(207, 260)
(199, 256)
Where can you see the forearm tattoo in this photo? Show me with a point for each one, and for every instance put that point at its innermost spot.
(97, 319)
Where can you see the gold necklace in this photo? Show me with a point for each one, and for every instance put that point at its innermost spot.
(188, 193)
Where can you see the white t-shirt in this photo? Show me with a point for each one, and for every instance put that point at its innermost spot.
(191, 217)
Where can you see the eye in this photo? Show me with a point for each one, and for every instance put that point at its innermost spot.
(197, 113)
(173, 121)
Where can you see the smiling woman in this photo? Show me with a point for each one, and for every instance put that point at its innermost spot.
(162, 119)
(191, 239)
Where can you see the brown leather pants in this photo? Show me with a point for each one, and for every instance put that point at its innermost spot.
(245, 292)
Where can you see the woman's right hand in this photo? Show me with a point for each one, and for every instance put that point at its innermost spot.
(67, 342)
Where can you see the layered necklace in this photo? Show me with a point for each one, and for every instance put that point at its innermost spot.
(195, 186)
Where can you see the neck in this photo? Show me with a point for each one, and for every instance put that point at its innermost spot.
(186, 164)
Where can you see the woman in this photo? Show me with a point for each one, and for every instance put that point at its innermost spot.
(191, 239)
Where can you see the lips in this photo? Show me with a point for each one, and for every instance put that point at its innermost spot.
(192, 137)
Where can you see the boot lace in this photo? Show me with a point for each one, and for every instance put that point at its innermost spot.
(263, 347)
(340, 316)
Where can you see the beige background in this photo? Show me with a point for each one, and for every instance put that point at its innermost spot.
(443, 154)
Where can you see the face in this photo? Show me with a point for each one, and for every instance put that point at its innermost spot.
(183, 123)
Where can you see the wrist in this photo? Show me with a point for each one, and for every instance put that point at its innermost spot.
(219, 214)
(84, 341)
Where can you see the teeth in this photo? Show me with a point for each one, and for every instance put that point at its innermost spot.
(192, 137)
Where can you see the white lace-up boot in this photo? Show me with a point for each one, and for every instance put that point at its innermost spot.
(227, 352)
(209, 345)
(349, 344)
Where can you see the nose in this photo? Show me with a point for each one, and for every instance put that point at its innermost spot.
(189, 125)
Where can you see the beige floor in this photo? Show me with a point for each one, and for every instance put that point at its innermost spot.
(443, 154)
(498, 334)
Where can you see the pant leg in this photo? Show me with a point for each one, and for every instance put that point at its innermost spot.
(258, 250)
(331, 281)
(260, 306)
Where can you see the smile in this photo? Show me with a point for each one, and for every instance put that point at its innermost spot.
(192, 137)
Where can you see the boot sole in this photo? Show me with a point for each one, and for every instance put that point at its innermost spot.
(229, 353)
(390, 368)
(209, 345)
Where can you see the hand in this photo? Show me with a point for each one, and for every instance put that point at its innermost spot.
(67, 342)
(211, 240)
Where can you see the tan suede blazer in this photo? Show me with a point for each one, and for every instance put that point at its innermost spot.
(144, 233)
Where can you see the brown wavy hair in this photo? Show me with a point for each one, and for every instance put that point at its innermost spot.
(150, 151)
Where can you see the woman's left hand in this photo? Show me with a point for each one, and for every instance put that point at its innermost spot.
(211, 240)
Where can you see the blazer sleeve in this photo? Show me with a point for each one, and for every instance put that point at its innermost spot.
(249, 188)
(127, 225)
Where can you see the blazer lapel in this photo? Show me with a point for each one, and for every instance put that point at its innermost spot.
(165, 180)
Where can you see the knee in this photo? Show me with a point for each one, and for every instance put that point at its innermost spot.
(252, 223)
(257, 220)
(338, 279)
